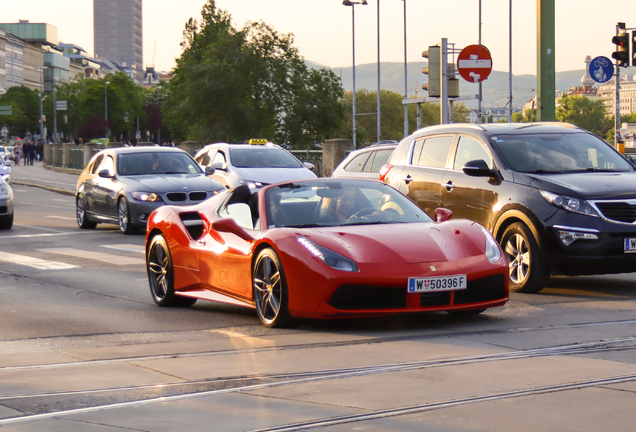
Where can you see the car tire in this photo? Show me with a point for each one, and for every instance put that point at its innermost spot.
(123, 215)
(82, 219)
(6, 223)
(527, 271)
(161, 274)
(270, 290)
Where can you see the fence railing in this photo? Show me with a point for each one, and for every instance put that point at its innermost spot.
(311, 156)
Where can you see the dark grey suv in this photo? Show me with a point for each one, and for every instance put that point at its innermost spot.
(558, 199)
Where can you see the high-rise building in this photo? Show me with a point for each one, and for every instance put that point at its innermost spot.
(118, 34)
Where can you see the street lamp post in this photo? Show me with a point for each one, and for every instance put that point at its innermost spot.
(406, 89)
(54, 110)
(106, 105)
(353, 30)
(379, 110)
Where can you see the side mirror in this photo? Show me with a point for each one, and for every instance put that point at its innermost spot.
(443, 214)
(309, 165)
(105, 174)
(209, 170)
(230, 226)
(218, 166)
(479, 168)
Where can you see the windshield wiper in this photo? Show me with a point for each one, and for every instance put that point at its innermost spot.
(307, 225)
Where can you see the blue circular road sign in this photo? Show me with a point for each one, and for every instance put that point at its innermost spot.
(601, 69)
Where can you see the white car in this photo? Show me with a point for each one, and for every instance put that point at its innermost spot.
(364, 163)
(6, 205)
(5, 169)
(6, 152)
(259, 162)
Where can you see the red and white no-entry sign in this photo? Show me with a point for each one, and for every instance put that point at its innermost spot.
(474, 63)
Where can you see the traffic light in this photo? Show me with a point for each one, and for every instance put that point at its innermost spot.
(633, 47)
(453, 82)
(622, 49)
(432, 70)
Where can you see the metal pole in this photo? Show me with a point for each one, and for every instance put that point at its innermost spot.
(406, 89)
(353, 30)
(443, 72)
(379, 109)
(617, 95)
(41, 116)
(54, 111)
(480, 93)
(510, 64)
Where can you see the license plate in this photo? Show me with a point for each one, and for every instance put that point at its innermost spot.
(630, 245)
(438, 283)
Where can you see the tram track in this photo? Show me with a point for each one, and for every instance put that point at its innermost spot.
(41, 405)
(362, 341)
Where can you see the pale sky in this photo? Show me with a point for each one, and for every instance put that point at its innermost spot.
(322, 28)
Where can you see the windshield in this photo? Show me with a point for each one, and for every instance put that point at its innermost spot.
(156, 163)
(339, 203)
(263, 157)
(559, 153)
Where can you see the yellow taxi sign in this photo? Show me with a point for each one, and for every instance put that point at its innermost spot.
(258, 141)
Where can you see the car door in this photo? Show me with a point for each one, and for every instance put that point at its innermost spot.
(469, 197)
(422, 178)
(106, 189)
(88, 185)
(225, 257)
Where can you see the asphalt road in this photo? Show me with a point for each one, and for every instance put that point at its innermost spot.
(84, 348)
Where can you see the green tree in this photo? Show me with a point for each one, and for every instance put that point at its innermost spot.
(530, 116)
(584, 113)
(25, 107)
(86, 106)
(231, 85)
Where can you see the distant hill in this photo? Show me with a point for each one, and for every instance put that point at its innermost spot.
(494, 89)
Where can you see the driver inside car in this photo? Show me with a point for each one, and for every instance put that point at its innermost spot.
(340, 209)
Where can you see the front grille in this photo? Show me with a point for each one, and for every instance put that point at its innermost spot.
(435, 299)
(619, 211)
(480, 290)
(198, 196)
(356, 297)
(177, 196)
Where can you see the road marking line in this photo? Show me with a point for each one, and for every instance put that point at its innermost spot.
(98, 256)
(61, 217)
(36, 235)
(37, 263)
(126, 247)
(45, 205)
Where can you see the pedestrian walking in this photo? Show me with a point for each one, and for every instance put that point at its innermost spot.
(17, 152)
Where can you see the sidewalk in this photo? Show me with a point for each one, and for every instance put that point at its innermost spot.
(38, 176)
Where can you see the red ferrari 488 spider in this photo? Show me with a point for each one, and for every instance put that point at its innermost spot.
(320, 249)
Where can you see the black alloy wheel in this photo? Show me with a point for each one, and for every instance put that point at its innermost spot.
(161, 274)
(527, 271)
(270, 290)
(82, 219)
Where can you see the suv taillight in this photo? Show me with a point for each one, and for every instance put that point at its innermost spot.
(384, 171)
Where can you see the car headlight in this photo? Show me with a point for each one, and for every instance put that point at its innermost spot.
(146, 196)
(251, 184)
(575, 205)
(492, 251)
(331, 258)
(4, 191)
